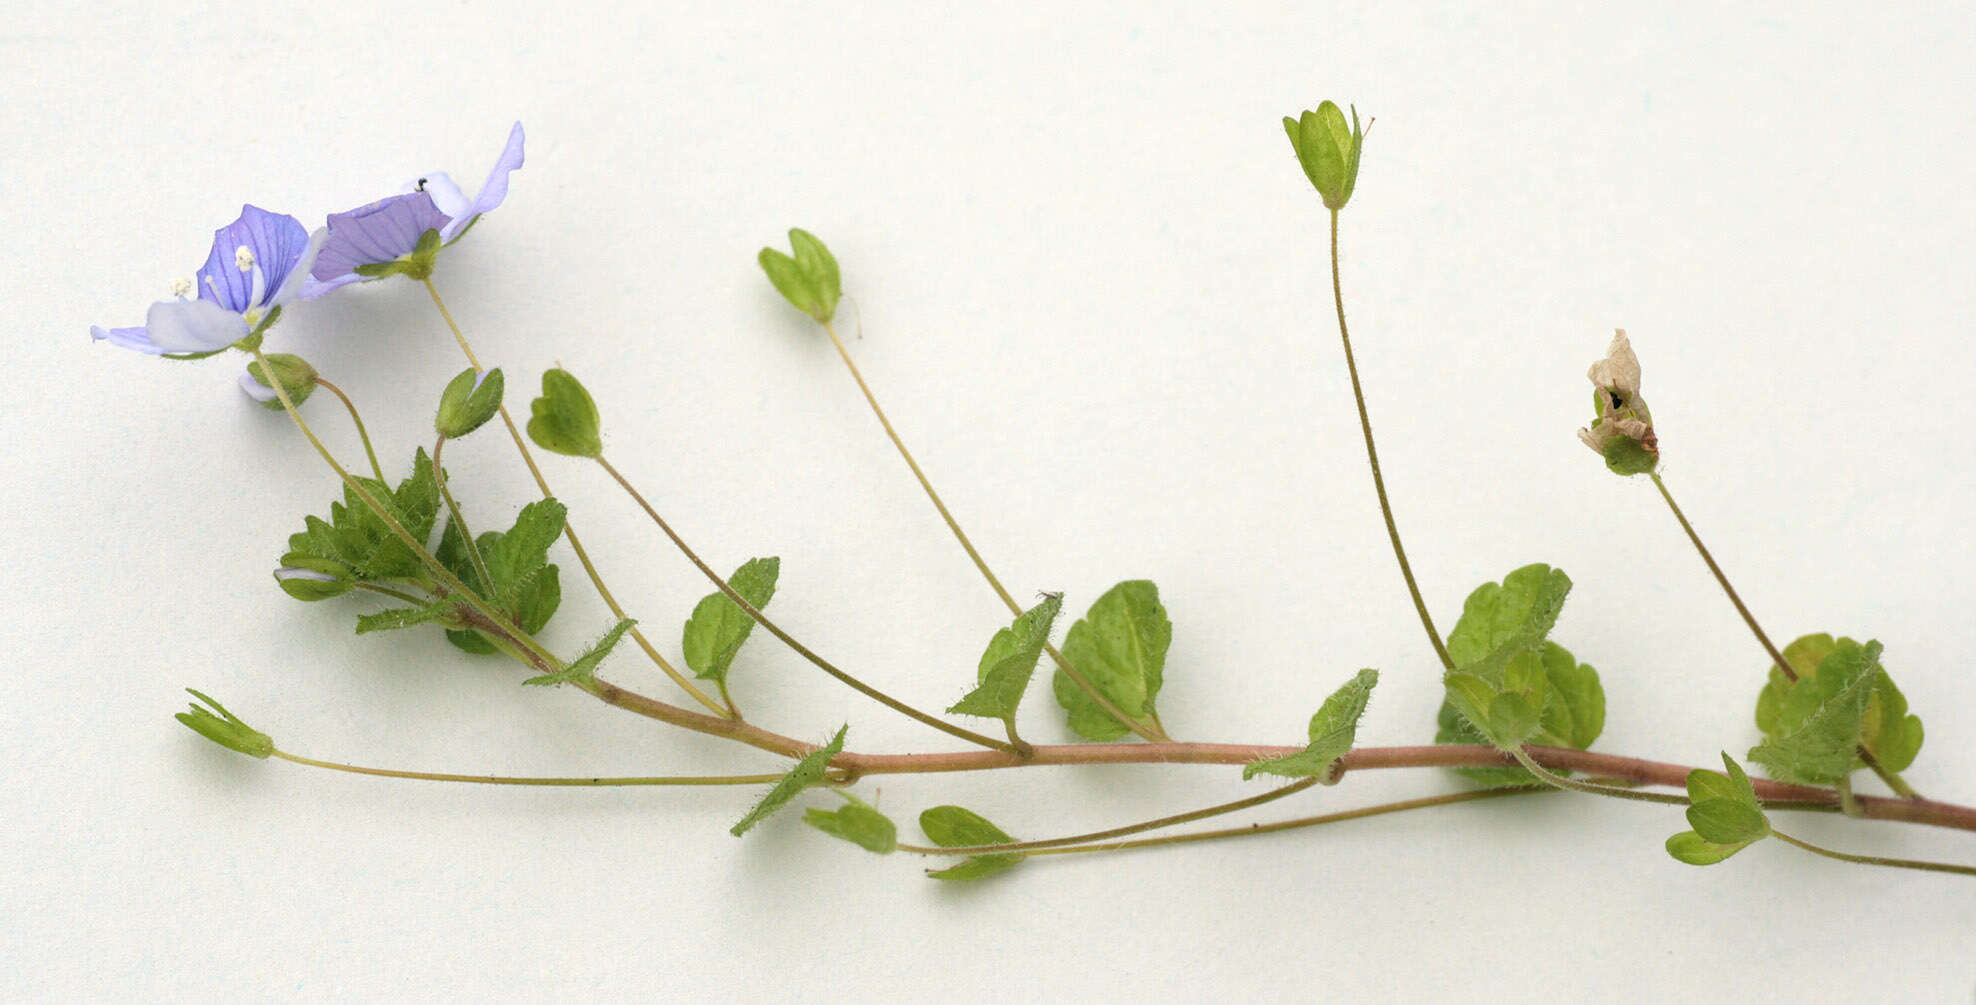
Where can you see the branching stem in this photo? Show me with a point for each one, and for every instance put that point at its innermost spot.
(1138, 828)
(1893, 779)
(433, 776)
(576, 543)
(1149, 731)
(773, 629)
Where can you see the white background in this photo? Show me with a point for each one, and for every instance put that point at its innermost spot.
(1093, 297)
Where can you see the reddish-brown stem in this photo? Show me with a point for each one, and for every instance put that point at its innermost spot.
(1607, 766)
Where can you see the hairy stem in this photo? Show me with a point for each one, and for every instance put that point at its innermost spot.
(1896, 863)
(453, 510)
(433, 776)
(773, 629)
(1144, 730)
(1138, 828)
(438, 569)
(362, 433)
(1559, 781)
(569, 531)
(1372, 457)
(1252, 830)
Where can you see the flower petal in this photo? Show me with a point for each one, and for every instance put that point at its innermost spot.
(258, 391)
(382, 231)
(445, 194)
(278, 244)
(494, 190)
(192, 326)
(130, 338)
(298, 276)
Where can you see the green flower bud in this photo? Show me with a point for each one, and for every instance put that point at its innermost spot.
(565, 418)
(1329, 151)
(1623, 432)
(809, 280)
(463, 407)
(225, 728)
(306, 577)
(297, 377)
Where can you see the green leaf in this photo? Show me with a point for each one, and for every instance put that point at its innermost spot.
(465, 407)
(713, 635)
(405, 617)
(1009, 662)
(360, 541)
(809, 280)
(1574, 712)
(806, 773)
(955, 827)
(1332, 732)
(1120, 647)
(857, 822)
(526, 589)
(1819, 721)
(583, 669)
(564, 419)
(1694, 849)
(1500, 620)
(1887, 730)
(513, 556)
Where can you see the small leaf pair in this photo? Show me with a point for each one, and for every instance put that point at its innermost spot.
(1842, 702)
(1724, 813)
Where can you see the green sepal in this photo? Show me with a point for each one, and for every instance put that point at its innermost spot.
(415, 264)
(806, 773)
(468, 402)
(857, 822)
(1328, 148)
(297, 377)
(307, 588)
(956, 827)
(1120, 648)
(564, 419)
(1626, 456)
(225, 728)
(1009, 662)
(718, 627)
(809, 280)
(1332, 731)
(1818, 724)
(583, 669)
(406, 617)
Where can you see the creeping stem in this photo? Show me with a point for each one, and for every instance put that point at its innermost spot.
(575, 543)
(434, 776)
(776, 630)
(1893, 779)
(1896, 863)
(1138, 828)
(1149, 731)
(1372, 457)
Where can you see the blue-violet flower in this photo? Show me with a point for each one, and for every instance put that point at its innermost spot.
(257, 264)
(384, 237)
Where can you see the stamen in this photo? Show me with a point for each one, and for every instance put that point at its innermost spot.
(244, 257)
(181, 286)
